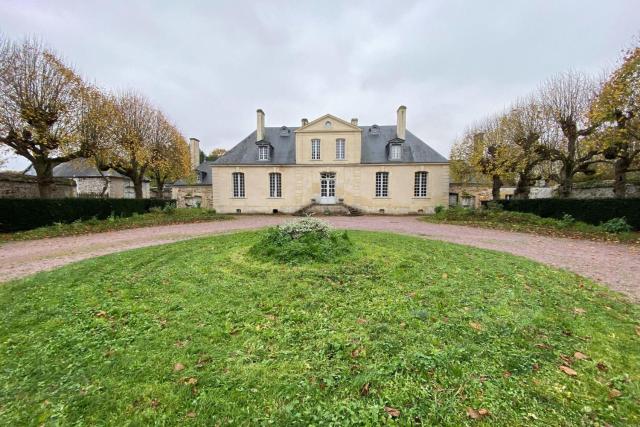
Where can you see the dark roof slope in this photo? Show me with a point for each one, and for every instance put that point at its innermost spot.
(374, 148)
(78, 168)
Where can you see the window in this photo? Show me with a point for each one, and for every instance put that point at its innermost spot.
(339, 149)
(238, 184)
(315, 149)
(275, 184)
(420, 186)
(263, 152)
(396, 152)
(382, 184)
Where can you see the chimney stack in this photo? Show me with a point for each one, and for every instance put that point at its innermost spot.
(260, 126)
(194, 152)
(354, 122)
(401, 127)
(305, 122)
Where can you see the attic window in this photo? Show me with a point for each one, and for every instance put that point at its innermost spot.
(395, 152)
(263, 152)
(284, 131)
(327, 124)
(374, 130)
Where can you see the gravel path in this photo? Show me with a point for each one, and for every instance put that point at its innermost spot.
(615, 265)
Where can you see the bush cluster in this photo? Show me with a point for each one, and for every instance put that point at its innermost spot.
(305, 240)
(26, 214)
(591, 211)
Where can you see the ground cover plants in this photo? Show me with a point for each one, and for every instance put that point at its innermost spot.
(157, 216)
(401, 329)
(615, 230)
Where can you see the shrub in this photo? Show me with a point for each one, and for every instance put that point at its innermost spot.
(591, 211)
(439, 209)
(616, 225)
(26, 214)
(305, 240)
(566, 220)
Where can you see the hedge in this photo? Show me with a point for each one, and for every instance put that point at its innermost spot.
(25, 214)
(592, 211)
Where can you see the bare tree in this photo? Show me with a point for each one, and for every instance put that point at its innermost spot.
(566, 99)
(41, 104)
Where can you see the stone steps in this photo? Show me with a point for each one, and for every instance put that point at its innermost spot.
(338, 209)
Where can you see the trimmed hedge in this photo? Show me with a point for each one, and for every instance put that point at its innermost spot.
(26, 214)
(591, 211)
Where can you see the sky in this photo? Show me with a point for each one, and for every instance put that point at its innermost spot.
(210, 64)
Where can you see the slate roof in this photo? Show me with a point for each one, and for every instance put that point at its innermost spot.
(374, 148)
(204, 170)
(78, 168)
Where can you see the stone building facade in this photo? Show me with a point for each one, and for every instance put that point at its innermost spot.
(21, 186)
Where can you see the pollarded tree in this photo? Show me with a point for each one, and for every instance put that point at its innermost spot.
(131, 146)
(171, 153)
(617, 109)
(524, 129)
(566, 99)
(41, 106)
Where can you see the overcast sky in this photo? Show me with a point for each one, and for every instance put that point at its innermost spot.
(209, 65)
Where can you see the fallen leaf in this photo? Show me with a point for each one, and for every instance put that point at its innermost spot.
(476, 326)
(190, 381)
(411, 294)
(364, 390)
(178, 367)
(543, 346)
(181, 344)
(356, 352)
(601, 366)
(613, 393)
(506, 374)
(393, 412)
(191, 414)
(638, 330)
(535, 367)
(567, 370)
(202, 361)
(361, 321)
(101, 313)
(477, 414)
(579, 311)
(566, 359)
(154, 403)
(580, 356)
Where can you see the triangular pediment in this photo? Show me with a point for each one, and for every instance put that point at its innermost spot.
(336, 124)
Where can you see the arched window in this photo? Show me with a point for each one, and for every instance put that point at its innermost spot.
(238, 184)
(275, 184)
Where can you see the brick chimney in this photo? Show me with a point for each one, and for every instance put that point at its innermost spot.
(260, 135)
(401, 126)
(354, 122)
(194, 152)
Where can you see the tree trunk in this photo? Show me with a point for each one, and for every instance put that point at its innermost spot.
(495, 189)
(523, 186)
(620, 167)
(566, 182)
(44, 173)
(137, 187)
(160, 187)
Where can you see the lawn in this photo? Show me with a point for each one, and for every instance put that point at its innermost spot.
(159, 217)
(404, 330)
(528, 223)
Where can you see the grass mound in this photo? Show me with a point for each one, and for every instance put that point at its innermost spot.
(201, 332)
(305, 240)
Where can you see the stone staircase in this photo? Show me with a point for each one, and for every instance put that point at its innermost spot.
(338, 209)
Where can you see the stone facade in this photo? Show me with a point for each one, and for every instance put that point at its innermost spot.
(16, 185)
(472, 195)
(191, 196)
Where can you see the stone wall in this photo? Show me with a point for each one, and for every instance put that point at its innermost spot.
(472, 195)
(17, 185)
(187, 196)
(585, 190)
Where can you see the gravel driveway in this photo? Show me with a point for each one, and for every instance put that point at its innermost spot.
(615, 265)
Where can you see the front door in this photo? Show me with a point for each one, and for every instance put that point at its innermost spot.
(327, 188)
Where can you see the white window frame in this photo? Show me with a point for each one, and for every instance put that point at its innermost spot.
(263, 153)
(238, 185)
(382, 184)
(275, 185)
(340, 149)
(420, 184)
(395, 152)
(315, 149)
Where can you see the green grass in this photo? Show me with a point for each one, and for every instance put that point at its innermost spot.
(176, 216)
(427, 328)
(527, 223)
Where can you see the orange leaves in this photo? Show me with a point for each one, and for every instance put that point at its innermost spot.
(393, 412)
(477, 414)
(567, 370)
(580, 356)
(178, 367)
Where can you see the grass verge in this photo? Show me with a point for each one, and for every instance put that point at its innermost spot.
(404, 329)
(176, 216)
(528, 223)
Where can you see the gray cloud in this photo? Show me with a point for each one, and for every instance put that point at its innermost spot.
(210, 65)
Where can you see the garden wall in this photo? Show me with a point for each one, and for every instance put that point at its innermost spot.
(19, 186)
